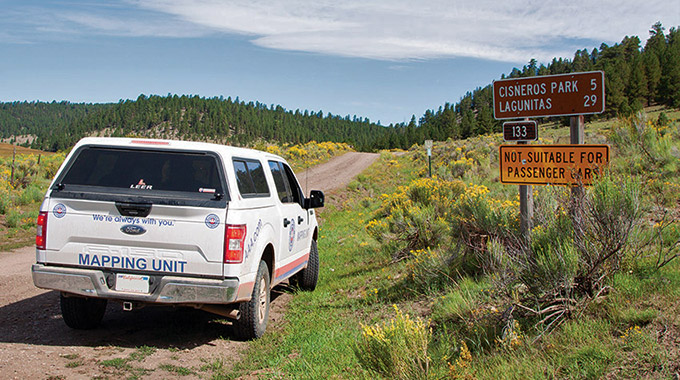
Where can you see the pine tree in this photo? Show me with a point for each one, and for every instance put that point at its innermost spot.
(653, 75)
(669, 83)
(637, 87)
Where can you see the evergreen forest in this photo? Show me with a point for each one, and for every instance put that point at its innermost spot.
(635, 76)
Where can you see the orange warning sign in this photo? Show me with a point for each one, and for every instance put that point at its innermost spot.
(552, 164)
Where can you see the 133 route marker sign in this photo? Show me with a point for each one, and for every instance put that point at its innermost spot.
(526, 130)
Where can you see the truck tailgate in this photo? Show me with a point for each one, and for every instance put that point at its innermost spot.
(178, 240)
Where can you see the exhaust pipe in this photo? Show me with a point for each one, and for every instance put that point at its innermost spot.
(224, 311)
(127, 306)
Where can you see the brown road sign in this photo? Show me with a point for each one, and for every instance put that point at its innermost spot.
(549, 95)
(552, 164)
(526, 130)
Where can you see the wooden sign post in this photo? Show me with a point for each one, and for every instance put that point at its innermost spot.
(523, 132)
(526, 207)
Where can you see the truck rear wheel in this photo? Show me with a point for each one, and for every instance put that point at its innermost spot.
(82, 313)
(254, 313)
(307, 278)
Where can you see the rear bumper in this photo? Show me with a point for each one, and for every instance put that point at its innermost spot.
(170, 290)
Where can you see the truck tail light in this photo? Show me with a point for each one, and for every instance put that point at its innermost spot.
(41, 232)
(234, 239)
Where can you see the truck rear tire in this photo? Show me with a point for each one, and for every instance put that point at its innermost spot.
(254, 314)
(82, 313)
(307, 278)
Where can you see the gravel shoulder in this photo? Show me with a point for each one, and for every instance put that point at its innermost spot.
(150, 343)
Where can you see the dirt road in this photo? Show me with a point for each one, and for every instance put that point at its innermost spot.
(336, 173)
(153, 342)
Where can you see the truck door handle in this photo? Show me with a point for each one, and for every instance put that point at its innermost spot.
(300, 220)
(286, 222)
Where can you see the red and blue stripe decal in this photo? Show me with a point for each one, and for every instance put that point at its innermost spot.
(288, 269)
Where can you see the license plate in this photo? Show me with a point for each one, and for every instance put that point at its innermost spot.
(132, 283)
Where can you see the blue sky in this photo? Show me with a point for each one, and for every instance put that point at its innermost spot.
(381, 59)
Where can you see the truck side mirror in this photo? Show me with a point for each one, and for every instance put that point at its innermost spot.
(315, 200)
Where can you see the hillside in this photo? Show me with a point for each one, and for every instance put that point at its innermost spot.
(57, 126)
(40, 125)
(7, 150)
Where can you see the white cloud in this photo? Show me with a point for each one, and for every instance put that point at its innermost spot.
(403, 29)
(254, 17)
(510, 30)
(28, 24)
(133, 26)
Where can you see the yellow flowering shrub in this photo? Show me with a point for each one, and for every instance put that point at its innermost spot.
(5, 199)
(414, 217)
(434, 191)
(634, 338)
(274, 149)
(511, 338)
(396, 349)
(430, 269)
(26, 186)
(466, 159)
(644, 148)
(477, 216)
(303, 156)
(297, 152)
(458, 369)
(429, 213)
(459, 167)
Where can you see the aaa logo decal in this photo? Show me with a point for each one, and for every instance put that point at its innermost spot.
(291, 236)
(212, 221)
(59, 210)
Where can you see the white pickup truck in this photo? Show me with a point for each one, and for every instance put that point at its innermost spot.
(179, 223)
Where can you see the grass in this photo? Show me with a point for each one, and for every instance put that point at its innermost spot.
(17, 227)
(74, 360)
(124, 365)
(182, 371)
(117, 363)
(21, 192)
(74, 364)
(321, 326)
(127, 365)
(142, 353)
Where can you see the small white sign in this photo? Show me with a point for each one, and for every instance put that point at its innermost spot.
(428, 144)
(132, 283)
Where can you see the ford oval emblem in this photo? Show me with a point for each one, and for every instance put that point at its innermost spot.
(132, 229)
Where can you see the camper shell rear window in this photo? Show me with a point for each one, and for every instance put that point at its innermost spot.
(144, 173)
